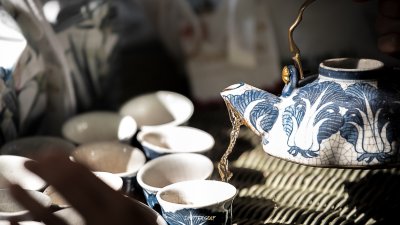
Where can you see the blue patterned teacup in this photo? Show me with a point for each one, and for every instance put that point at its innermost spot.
(169, 169)
(205, 202)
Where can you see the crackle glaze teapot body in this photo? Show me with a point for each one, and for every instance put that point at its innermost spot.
(343, 118)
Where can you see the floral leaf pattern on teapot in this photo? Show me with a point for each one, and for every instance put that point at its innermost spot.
(268, 115)
(263, 110)
(316, 106)
(366, 125)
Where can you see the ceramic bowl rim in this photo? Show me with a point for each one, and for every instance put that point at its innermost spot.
(116, 180)
(233, 192)
(175, 122)
(166, 158)
(50, 190)
(78, 117)
(161, 150)
(64, 141)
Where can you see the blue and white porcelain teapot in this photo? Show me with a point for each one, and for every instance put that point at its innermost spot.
(345, 117)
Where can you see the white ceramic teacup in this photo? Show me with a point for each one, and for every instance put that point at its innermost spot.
(113, 157)
(158, 109)
(197, 202)
(99, 126)
(169, 169)
(174, 139)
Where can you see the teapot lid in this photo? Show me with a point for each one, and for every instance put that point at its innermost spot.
(351, 68)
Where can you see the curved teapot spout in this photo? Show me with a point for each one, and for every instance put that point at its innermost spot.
(255, 107)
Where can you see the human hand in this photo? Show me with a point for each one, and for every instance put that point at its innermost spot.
(388, 26)
(98, 203)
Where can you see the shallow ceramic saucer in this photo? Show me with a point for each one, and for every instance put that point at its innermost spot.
(179, 139)
(99, 126)
(13, 169)
(158, 109)
(9, 208)
(32, 147)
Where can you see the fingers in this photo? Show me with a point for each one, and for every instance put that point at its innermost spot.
(77, 184)
(38, 211)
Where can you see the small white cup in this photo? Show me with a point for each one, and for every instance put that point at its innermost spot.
(158, 109)
(120, 159)
(169, 169)
(197, 202)
(174, 139)
(99, 126)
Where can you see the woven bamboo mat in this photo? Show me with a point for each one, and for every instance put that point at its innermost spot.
(274, 191)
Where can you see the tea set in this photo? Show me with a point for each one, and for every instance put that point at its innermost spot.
(170, 151)
(346, 116)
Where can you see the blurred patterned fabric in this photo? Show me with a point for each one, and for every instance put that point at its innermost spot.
(8, 107)
(90, 57)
